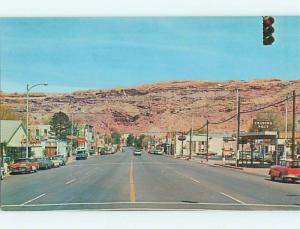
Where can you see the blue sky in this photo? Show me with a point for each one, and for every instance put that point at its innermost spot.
(87, 53)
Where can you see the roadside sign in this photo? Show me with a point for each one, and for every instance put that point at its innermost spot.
(181, 137)
(262, 124)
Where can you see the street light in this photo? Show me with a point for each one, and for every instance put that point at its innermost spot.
(28, 88)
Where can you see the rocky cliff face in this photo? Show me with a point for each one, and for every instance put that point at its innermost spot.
(165, 106)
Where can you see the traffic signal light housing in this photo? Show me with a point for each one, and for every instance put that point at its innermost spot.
(268, 30)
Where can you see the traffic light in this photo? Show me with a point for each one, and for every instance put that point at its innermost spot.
(268, 30)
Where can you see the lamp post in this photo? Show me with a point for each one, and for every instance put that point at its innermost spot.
(28, 88)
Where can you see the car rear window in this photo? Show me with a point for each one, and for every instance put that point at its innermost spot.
(295, 164)
(22, 160)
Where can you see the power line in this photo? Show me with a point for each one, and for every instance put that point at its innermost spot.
(264, 107)
(226, 120)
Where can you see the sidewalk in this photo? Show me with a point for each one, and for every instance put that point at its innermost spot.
(70, 160)
(263, 172)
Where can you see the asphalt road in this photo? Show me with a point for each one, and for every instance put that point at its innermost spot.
(149, 182)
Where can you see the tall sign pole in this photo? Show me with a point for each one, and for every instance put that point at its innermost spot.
(294, 123)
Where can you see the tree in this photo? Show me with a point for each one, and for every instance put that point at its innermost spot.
(146, 140)
(130, 140)
(116, 137)
(60, 125)
(139, 140)
(107, 139)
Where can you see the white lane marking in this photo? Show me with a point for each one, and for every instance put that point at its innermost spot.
(191, 178)
(33, 199)
(70, 181)
(233, 198)
(195, 180)
(120, 163)
(158, 203)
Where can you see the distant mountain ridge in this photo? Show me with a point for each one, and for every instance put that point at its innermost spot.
(158, 107)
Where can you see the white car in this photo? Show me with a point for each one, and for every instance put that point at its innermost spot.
(158, 152)
(55, 162)
(137, 153)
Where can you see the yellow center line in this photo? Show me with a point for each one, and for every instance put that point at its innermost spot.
(131, 182)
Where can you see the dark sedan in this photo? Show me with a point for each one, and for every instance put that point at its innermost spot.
(81, 155)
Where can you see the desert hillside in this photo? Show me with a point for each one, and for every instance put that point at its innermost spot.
(161, 107)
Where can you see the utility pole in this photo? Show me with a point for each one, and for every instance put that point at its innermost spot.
(238, 129)
(286, 126)
(191, 131)
(294, 123)
(182, 144)
(72, 133)
(207, 140)
(191, 137)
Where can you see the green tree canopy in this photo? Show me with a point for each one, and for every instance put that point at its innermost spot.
(139, 140)
(60, 125)
(107, 139)
(130, 140)
(116, 137)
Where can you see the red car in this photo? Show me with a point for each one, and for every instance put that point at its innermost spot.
(24, 165)
(286, 170)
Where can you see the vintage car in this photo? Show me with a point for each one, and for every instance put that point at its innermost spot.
(24, 165)
(286, 170)
(55, 162)
(137, 152)
(61, 158)
(44, 163)
(81, 155)
(2, 173)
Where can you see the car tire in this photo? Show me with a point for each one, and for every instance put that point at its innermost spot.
(272, 178)
(282, 178)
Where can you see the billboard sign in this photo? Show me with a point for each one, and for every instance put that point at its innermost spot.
(262, 124)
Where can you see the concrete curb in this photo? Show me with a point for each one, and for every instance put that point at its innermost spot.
(70, 160)
(221, 165)
(232, 167)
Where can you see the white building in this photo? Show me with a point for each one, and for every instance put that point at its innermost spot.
(218, 143)
(41, 132)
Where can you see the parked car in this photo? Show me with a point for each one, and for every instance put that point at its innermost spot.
(158, 152)
(44, 163)
(137, 152)
(2, 172)
(103, 151)
(286, 170)
(24, 165)
(55, 162)
(81, 155)
(62, 159)
(91, 151)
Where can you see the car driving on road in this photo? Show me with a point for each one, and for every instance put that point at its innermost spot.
(81, 155)
(137, 152)
(24, 165)
(286, 170)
